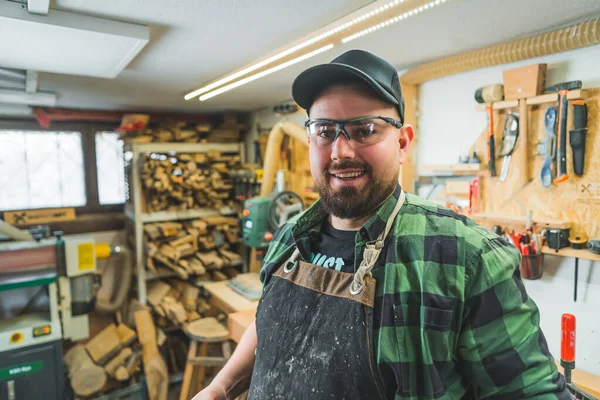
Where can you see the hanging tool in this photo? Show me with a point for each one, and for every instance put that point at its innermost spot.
(491, 142)
(567, 345)
(509, 140)
(474, 198)
(577, 135)
(489, 94)
(561, 149)
(549, 146)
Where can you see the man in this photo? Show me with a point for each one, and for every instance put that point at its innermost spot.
(374, 293)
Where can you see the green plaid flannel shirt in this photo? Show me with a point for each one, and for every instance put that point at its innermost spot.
(452, 318)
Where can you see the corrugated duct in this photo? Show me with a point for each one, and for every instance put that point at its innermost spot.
(564, 39)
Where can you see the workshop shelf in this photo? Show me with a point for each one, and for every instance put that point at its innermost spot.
(570, 252)
(532, 101)
(500, 219)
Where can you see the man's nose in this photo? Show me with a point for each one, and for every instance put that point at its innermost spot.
(342, 148)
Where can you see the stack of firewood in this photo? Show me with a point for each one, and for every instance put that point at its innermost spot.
(188, 181)
(114, 354)
(121, 353)
(199, 247)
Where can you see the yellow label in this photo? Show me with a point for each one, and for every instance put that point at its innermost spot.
(86, 256)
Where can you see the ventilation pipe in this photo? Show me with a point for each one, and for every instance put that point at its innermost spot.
(560, 40)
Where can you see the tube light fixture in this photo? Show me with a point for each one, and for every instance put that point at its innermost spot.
(207, 91)
(265, 72)
(390, 21)
(291, 50)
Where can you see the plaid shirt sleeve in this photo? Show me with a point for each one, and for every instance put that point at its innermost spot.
(502, 349)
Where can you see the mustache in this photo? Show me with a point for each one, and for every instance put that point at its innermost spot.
(347, 164)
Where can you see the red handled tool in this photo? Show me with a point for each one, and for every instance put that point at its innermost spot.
(567, 345)
(491, 141)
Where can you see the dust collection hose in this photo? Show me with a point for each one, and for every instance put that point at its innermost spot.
(563, 39)
(104, 251)
(276, 135)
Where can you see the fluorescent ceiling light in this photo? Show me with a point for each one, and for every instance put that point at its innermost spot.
(291, 50)
(393, 20)
(207, 91)
(264, 73)
(45, 99)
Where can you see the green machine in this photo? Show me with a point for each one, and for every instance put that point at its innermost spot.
(263, 215)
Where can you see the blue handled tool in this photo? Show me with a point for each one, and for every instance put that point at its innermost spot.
(549, 145)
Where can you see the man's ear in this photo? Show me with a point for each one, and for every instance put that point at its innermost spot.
(407, 134)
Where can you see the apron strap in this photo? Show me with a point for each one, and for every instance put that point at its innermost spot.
(373, 249)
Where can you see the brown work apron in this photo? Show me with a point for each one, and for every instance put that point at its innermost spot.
(315, 331)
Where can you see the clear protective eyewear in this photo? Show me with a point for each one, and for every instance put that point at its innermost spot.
(363, 131)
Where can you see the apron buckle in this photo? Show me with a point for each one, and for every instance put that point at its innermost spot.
(354, 291)
(290, 269)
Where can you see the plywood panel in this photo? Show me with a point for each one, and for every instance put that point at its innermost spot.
(576, 200)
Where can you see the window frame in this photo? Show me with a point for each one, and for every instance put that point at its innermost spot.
(88, 132)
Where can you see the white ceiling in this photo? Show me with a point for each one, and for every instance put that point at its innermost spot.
(194, 41)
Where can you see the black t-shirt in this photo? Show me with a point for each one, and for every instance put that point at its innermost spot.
(334, 248)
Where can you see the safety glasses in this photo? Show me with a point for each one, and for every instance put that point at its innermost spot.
(363, 131)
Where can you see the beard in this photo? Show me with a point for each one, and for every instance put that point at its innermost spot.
(349, 202)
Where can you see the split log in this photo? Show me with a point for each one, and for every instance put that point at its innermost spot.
(211, 260)
(219, 276)
(126, 335)
(86, 377)
(105, 345)
(111, 367)
(121, 374)
(230, 256)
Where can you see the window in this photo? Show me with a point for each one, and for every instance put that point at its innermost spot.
(110, 168)
(41, 169)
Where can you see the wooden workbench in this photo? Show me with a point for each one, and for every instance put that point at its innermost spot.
(226, 299)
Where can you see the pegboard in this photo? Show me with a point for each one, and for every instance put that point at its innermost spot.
(576, 200)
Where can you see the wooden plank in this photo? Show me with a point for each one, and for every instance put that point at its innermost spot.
(226, 299)
(499, 105)
(408, 169)
(43, 216)
(238, 322)
(161, 216)
(453, 169)
(184, 147)
(520, 220)
(553, 97)
(537, 100)
(155, 369)
(570, 252)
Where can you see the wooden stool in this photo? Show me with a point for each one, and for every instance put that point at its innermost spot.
(203, 331)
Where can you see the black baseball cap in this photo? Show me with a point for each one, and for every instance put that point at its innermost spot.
(379, 74)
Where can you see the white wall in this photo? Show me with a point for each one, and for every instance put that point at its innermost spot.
(448, 125)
